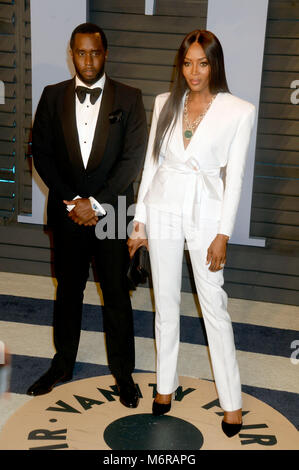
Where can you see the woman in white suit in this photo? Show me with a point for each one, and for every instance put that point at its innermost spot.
(190, 190)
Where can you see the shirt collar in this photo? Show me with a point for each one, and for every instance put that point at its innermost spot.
(100, 83)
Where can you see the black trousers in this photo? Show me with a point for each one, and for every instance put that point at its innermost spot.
(74, 248)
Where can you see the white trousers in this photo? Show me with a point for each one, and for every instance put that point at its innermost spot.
(166, 235)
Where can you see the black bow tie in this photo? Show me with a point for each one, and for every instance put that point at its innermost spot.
(83, 90)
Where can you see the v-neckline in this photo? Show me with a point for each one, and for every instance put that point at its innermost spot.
(199, 125)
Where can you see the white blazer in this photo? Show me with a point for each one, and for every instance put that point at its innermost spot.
(192, 179)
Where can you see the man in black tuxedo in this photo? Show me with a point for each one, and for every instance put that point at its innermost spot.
(89, 139)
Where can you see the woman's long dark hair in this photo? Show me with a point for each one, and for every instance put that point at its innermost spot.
(214, 53)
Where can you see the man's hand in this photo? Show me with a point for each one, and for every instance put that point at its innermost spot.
(216, 255)
(138, 238)
(82, 213)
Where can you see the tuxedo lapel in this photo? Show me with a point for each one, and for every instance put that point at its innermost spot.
(102, 126)
(69, 126)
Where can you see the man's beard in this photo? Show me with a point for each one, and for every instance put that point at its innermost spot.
(90, 81)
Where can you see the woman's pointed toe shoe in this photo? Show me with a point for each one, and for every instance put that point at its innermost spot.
(160, 408)
(229, 429)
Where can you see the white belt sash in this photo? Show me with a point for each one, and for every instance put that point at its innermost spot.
(201, 181)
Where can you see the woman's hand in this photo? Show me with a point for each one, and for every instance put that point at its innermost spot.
(137, 239)
(216, 255)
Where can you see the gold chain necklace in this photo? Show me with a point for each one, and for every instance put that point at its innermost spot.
(190, 126)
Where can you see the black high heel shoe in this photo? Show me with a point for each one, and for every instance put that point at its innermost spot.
(230, 429)
(160, 408)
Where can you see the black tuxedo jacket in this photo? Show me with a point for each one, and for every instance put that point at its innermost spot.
(117, 153)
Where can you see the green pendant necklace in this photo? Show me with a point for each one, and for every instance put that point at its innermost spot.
(191, 126)
(188, 133)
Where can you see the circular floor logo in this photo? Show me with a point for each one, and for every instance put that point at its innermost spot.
(87, 415)
(159, 433)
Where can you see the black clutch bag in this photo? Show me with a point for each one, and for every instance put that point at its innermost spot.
(139, 269)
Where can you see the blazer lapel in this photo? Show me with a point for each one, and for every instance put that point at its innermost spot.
(69, 126)
(102, 126)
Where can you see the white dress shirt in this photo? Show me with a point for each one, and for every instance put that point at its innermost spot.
(86, 118)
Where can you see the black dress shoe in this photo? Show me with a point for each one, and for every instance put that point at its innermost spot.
(160, 408)
(128, 394)
(47, 382)
(230, 429)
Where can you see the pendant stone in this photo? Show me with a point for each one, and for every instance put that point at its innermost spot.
(188, 134)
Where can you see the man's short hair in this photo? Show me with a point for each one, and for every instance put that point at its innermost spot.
(88, 28)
